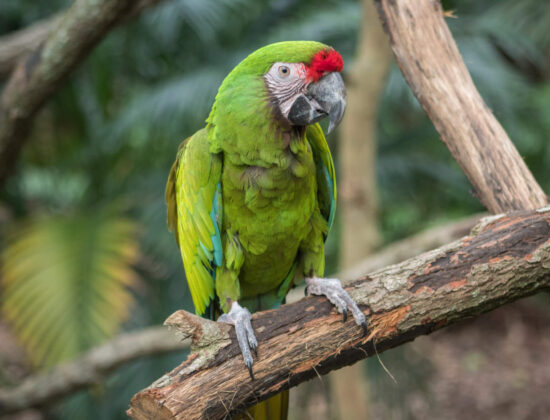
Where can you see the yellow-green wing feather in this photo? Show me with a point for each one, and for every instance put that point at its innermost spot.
(274, 408)
(326, 175)
(193, 196)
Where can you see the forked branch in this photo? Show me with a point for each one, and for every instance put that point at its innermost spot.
(58, 47)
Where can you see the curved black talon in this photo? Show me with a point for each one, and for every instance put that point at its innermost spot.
(250, 371)
(364, 327)
(305, 291)
(255, 350)
(345, 313)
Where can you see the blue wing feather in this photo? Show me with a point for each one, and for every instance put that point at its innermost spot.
(193, 195)
(326, 176)
(216, 217)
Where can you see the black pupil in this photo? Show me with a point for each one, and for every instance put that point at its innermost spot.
(284, 70)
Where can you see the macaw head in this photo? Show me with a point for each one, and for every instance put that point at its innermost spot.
(301, 78)
(307, 86)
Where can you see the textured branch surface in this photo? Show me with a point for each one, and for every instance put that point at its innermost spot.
(504, 258)
(430, 61)
(15, 46)
(403, 249)
(70, 38)
(89, 369)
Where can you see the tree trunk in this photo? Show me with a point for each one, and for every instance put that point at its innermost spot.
(358, 204)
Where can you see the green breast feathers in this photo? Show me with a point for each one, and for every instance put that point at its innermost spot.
(239, 227)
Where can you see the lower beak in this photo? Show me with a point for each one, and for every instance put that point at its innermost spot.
(327, 97)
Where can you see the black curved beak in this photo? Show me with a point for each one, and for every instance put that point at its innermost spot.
(327, 97)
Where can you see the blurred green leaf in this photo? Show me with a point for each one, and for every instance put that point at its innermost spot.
(67, 282)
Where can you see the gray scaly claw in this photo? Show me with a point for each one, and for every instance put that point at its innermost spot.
(240, 318)
(335, 293)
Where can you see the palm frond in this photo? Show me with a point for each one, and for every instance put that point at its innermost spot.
(67, 282)
(204, 17)
(169, 107)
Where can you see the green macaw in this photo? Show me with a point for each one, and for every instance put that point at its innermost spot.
(251, 196)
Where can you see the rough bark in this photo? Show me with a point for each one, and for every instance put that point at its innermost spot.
(71, 37)
(429, 59)
(15, 46)
(504, 258)
(409, 247)
(88, 369)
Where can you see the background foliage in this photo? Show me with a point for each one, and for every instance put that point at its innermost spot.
(86, 252)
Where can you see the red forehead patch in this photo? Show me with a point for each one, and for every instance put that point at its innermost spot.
(324, 61)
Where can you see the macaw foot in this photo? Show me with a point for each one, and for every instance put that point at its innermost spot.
(333, 290)
(240, 318)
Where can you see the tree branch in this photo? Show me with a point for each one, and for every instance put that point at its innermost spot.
(88, 369)
(16, 45)
(403, 249)
(429, 59)
(70, 38)
(357, 141)
(506, 257)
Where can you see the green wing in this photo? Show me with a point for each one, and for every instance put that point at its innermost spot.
(326, 176)
(193, 196)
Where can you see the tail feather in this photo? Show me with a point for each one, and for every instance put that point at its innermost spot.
(274, 408)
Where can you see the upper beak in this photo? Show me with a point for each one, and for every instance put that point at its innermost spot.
(330, 93)
(322, 98)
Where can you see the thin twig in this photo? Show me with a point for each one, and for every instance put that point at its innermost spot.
(88, 369)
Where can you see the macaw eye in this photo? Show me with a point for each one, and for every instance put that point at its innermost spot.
(284, 71)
